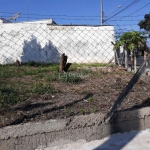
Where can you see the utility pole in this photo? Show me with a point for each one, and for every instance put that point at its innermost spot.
(101, 12)
(27, 2)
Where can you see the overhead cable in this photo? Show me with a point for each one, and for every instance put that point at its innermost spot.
(131, 4)
(136, 11)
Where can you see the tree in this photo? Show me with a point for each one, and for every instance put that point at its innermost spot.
(145, 24)
(131, 41)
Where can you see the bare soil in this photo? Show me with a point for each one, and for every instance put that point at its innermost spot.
(96, 93)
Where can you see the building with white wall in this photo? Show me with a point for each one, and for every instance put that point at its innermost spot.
(44, 41)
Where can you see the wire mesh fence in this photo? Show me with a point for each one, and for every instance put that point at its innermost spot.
(32, 87)
(44, 43)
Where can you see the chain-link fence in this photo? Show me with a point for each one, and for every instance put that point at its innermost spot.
(44, 43)
(33, 88)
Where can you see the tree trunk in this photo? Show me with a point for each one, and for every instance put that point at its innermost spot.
(135, 62)
(117, 58)
(145, 54)
(132, 60)
(145, 51)
(126, 59)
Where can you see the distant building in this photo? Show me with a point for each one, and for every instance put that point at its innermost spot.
(2, 20)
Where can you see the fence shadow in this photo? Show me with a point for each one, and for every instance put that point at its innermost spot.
(34, 52)
(119, 136)
(128, 125)
(117, 141)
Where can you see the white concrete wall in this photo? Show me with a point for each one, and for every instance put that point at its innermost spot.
(40, 42)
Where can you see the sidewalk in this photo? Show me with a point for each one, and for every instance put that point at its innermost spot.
(141, 141)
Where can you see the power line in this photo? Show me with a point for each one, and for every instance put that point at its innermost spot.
(129, 16)
(58, 18)
(125, 20)
(136, 10)
(48, 15)
(118, 7)
(126, 2)
(131, 4)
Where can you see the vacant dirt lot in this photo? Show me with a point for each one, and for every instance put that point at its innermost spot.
(95, 92)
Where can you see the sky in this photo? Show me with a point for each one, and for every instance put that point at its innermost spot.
(85, 12)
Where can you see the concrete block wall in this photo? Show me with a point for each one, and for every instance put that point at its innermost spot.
(31, 136)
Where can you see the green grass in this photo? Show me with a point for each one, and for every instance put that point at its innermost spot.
(8, 71)
(71, 78)
(17, 91)
(52, 77)
(27, 81)
(19, 83)
(75, 66)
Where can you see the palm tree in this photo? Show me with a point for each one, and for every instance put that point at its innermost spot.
(131, 41)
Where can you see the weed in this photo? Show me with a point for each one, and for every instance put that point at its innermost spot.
(94, 110)
(83, 111)
(53, 77)
(90, 99)
(25, 120)
(69, 111)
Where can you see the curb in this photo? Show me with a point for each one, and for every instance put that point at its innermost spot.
(31, 136)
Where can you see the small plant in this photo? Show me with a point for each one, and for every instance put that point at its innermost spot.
(90, 99)
(94, 110)
(25, 120)
(69, 111)
(83, 111)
